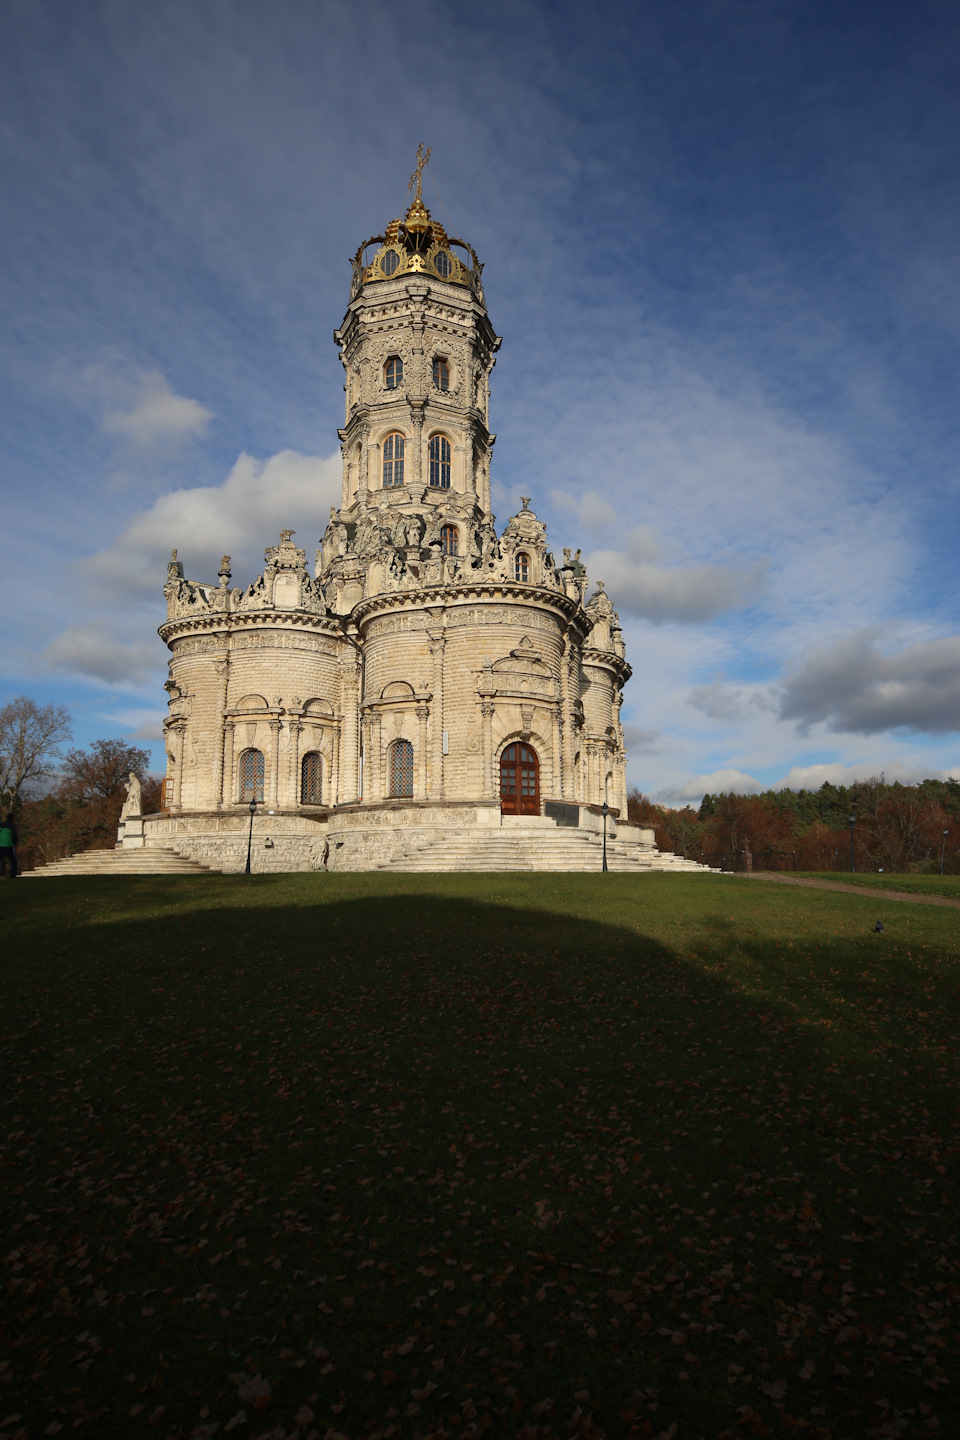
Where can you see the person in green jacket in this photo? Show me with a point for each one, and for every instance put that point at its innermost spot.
(8, 847)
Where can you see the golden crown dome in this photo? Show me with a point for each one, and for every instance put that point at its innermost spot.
(417, 244)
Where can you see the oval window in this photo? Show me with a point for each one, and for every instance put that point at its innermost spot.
(442, 263)
(390, 262)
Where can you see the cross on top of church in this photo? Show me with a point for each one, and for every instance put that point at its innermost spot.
(416, 178)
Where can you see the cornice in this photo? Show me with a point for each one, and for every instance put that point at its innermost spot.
(237, 622)
(432, 598)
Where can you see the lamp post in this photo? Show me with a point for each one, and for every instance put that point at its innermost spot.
(851, 821)
(253, 811)
(836, 859)
(943, 849)
(604, 811)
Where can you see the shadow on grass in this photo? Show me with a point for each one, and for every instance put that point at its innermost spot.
(422, 1161)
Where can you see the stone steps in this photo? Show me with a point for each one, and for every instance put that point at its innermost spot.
(159, 860)
(534, 850)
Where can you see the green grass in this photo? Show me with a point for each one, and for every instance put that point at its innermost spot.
(525, 1155)
(948, 885)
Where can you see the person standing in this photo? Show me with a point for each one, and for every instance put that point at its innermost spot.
(8, 847)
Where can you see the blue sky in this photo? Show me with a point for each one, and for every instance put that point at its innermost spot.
(719, 241)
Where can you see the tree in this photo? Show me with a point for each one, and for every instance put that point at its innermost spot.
(30, 740)
(101, 772)
(83, 811)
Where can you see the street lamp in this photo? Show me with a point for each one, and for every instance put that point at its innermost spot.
(604, 811)
(253, 811)
(851, 821)
(836, 859)
(943, 849)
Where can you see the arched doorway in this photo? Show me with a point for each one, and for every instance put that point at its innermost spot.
(519, 781)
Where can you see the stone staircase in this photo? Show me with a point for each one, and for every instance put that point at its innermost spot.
(536, 849)
(158, 860)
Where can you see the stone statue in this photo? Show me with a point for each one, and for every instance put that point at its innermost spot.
(132, 803)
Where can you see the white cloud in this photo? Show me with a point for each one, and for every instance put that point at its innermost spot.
(590, 510)
(94, 649)
(851, 685)
(154, 415)
(639, 741)
(716, 783)
(257, 499)
(811, 777)
(689, 594)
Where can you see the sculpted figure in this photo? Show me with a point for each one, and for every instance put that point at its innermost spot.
(413, 534)
(131, 805)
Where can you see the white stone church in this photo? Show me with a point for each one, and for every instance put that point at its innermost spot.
(433, 694)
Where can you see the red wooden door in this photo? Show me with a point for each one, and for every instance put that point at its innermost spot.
(519, 781)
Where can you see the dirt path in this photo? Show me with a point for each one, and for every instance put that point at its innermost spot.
(867, 892)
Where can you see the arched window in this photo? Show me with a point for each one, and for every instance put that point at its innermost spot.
(393, 448)
(440, 462)
(449, 539)
(401, 770)
(522, 566)
(311, 778)
(441, 374)
(251, 775)
(393, 373)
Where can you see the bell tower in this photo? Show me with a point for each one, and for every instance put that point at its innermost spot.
(417, 349)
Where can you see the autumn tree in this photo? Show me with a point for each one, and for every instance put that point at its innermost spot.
(30, 740)
(82, 811)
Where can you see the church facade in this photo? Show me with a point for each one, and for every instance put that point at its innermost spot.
(427, 674)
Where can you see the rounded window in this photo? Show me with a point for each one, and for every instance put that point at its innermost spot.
(251, 775)
(401, 770)
(440, 462)
(522, 567)
(393, 373)
(390, 262)
(442, 263)
(449, 539)
(311, 778)
(393, 448)
(441, 374)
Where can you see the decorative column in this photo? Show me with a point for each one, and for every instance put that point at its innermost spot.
(273, 775)
(486, 710)
(557, 750)
(423, 713)
(437, 642)
(293, 784)
(416, 417)
(178, 730)
(349, 739)
(375, 758)
(568, 728)
(333, 783)
(229, 747)
(222, 667)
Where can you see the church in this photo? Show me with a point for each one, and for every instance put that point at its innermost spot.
(430, 684)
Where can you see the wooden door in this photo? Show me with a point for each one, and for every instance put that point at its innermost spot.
(519, 781)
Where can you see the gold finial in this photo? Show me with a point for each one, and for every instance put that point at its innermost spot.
(417, 177)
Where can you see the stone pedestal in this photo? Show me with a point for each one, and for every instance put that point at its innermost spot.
(130, 833)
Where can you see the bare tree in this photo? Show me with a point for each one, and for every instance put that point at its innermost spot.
(30, 740)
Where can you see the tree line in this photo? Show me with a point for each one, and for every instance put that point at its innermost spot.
(64, 801)
(901, 828)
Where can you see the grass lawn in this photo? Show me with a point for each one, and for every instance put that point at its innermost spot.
(948, 885)
(526, 1155)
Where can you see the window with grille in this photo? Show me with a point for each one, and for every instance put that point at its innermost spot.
(440, 462)
(449, 539)
(441, 374)
(393, 448)
(311, 779)
(393, 373)
(401, 770)
(522, 566)
(251, 775)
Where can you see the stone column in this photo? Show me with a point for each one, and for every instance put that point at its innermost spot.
(423, 713)
(293, 783)
(437, 644)
(568, 735)
(349, 738)
(178, 730)
(333, 782)
(556, 728)
(229, 748)
(273, 771)
(416, 417)
(222, 667)
(375, 759)
(486, 710)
